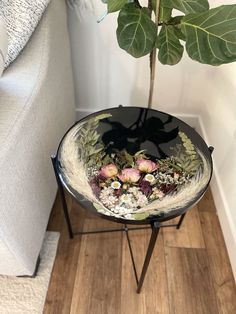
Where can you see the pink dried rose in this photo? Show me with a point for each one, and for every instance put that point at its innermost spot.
(145, 165)
(129, 175)
(109, 171)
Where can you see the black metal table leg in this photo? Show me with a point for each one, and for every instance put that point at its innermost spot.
(152, 242)
(131, 254)
(63, 198)
(211, 149)
(180, 221)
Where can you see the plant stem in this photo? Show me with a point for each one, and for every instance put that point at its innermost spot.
(153, 55)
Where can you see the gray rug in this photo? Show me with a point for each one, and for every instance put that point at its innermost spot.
(27, 295)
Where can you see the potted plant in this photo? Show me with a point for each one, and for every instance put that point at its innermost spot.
(127, 181)
(209, 35)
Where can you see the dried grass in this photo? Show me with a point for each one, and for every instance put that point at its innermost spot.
(73, 167)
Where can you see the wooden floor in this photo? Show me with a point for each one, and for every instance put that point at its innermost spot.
(189, 272)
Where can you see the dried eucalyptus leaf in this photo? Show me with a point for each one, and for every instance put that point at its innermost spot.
(140, 216)
(128, 158)
(140, 154)
(102, 116)
(98, 207)
(107, 160)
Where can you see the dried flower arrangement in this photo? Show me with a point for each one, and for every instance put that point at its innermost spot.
(131, 186)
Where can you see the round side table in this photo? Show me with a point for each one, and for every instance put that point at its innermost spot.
(134, 166)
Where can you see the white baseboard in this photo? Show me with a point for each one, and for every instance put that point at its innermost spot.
(191, 119)
(81, 113)
(222, 207)
(228, 228)
(223, 211)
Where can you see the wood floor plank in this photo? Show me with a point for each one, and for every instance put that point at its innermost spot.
(154, 295)
(56, 219)
(219, 263)
(190, 287)
(131, 302)
(189, 235)
(207, 202)
(98, 277)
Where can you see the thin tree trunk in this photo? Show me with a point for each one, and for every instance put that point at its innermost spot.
(153, 55)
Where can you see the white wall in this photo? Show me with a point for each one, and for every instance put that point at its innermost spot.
(106, 76)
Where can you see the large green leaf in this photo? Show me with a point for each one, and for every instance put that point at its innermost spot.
(165, 14)
(116, 5)
(187, 6)
(211, 35)
(136, 32)
(176, 21)
(170, 48)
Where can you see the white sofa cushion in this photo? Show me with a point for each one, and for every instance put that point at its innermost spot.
(3, 44)
(21, 18)
(36, 108)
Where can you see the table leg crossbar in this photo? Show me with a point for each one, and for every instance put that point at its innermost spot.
(155, 227)
(108, 230)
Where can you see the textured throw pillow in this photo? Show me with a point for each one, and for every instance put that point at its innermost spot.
(21, 18)
(3, 45)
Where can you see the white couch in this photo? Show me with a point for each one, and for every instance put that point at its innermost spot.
(36, 108)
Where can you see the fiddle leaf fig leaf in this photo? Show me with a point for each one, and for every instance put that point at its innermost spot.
(211, 35)
(116, 5)
(165, 14)
(136, 32)
(176, 22)
(187, 6)
(179, 33)
(170, 48)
